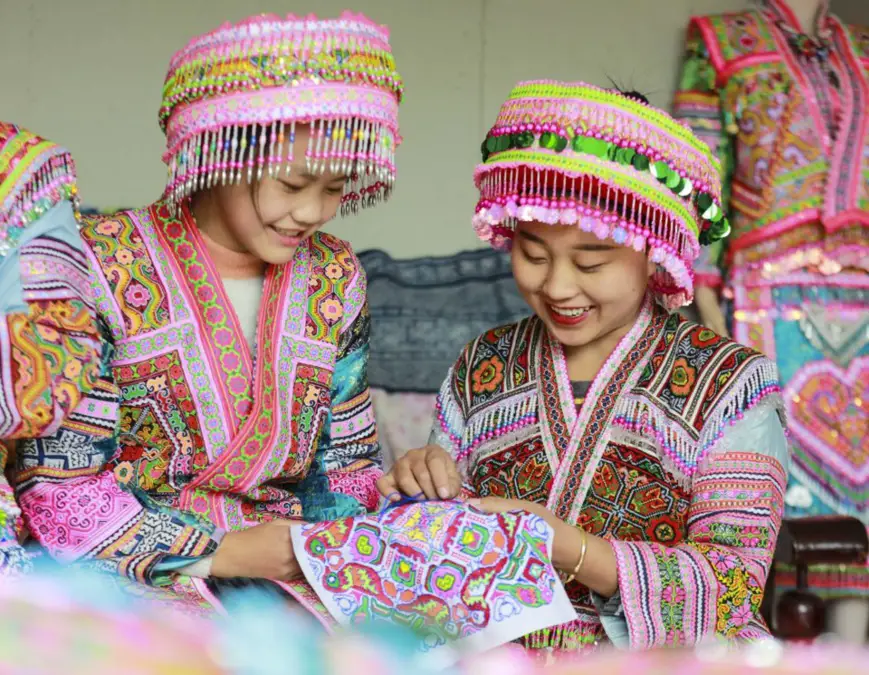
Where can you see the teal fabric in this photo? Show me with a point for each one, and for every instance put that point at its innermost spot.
(349, 381)
(58, 223)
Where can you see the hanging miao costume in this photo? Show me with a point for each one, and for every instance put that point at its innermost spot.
(789, 117)
(675, 453)
(51, 350)
(215, 436)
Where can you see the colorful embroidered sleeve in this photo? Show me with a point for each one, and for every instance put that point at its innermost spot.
(713, 582)
(49, 335)
(50, 347)
(698, 102)
(73, 504)
(351, 453)
(79, 512)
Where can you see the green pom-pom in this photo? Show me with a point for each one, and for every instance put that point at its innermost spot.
(548, 140)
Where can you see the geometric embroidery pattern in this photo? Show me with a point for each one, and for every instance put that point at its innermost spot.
(442, 569)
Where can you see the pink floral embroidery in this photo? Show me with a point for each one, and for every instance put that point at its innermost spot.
(196, 272)
(136, 295)
(741, 615)
(214, 315)
(237, 385)
(722, 561)
(229, 360)
(223, 337)
(206, 294)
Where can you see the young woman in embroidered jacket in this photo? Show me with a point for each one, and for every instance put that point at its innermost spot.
(653, 447)
(238, 330)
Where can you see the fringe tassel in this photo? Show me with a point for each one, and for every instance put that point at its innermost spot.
(450, 416)
(466, 435)
(509, 195)
(503, 418)
(684, 450)
(361, 149)
(51, 183)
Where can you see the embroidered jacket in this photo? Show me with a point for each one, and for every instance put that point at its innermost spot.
(791, 128)
(677, 456)
(207, 440)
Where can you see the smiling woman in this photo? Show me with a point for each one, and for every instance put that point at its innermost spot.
(238, 329)
(270, 215)
(587, 292)
(653, 447)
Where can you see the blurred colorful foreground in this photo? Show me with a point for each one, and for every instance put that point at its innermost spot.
(71, 624)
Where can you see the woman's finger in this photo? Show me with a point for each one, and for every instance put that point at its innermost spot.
(486, 505)
(406, 481)
(495, 505)
(388, 487)
(425, 479)
(444, 477)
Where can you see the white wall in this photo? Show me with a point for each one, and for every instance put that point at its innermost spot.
(88, 74)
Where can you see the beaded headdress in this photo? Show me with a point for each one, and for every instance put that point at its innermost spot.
(609, 163)
(233, 97)
(35, 175)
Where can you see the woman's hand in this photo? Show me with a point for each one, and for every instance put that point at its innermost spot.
(261, 552)
(500, 505)
(428, 472)
(566, 540)
(709, 308)
(598, 570)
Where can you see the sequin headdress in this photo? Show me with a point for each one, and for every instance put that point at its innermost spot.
(35, 175)
(233, 97)
(574, 154)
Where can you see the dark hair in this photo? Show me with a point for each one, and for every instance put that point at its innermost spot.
(632, 94)
(635, 96)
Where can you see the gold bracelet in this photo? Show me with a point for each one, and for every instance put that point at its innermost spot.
(582, 551)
